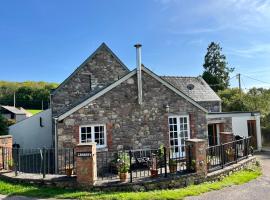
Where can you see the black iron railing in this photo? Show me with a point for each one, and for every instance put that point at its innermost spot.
(144, 163)
(225, 154)
(38, 161)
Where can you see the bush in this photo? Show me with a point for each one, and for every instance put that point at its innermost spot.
(3, 125)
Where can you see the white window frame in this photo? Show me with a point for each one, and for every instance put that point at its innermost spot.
(92, 126)
(178, 129)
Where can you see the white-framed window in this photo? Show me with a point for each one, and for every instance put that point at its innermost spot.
(93, 133)
(179, 129)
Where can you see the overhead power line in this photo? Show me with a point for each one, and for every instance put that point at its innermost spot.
(256, 79)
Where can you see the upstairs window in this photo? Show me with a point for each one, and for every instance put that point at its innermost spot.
(93, 133)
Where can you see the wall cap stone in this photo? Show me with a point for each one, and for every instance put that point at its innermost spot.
(196, 140)
(5, 136)
(87, 144)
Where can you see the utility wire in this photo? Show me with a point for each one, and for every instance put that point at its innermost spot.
(256, 79)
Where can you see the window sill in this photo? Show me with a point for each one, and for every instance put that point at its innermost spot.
(102, 149)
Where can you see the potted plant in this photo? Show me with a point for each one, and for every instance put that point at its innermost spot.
(153, 168)
(193, 165)
(123, 166)
(69, 171)
(10, 164)
(172, 165)
(230, 154)
(209, 160)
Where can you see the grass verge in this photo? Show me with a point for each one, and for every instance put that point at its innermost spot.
(237, 178)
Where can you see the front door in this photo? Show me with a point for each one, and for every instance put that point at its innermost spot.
(212, 134)
(179, 132)
(252, 132)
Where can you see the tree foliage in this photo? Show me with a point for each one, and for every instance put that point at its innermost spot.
(216, 71)
(29, 94)
(3, 126)
(255, 99)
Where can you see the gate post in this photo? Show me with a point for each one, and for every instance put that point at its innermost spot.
(198, 155)
(86, 164)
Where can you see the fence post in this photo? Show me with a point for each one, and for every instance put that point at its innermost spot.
(15, 154)
(236, 151)
(222, 156)
(44, 162)
(130, 165)
(165, 161)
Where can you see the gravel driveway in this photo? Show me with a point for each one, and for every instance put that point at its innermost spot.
(258, 189)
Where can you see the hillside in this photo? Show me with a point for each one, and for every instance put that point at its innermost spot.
(29, 94)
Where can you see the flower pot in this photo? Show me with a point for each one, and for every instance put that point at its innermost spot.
(69, 172)
(154, 172)
(10, 167)
(173, 168)
(123, 176)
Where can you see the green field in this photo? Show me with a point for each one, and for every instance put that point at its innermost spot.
(34, 111)
(237, 178)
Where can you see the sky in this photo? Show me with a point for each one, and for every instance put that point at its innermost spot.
(47, 40)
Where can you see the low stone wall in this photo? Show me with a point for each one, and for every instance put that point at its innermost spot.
(173, 181)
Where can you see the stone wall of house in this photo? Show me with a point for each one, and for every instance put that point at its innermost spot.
(225, 123)
(211, 106)
(101, 70)
(129, 125)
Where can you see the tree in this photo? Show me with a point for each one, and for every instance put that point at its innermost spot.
(216, 70)
(3, 126)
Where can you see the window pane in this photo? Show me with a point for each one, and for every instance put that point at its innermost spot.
(96, 135)
(83, 137)
(170, 121)
(185, 120)
(88, 129)
(102, 142)
(96, 129)
(171, 134)
(175, 127)
(171, 142)
(89, 136)
(181, 120)
(175, 134)
(171, 128)
(176, 142)
(174, 120)
(176, 149)
(83, 130)
(101, 128)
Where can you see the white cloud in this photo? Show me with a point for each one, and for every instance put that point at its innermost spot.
(251, 51)
(217, 15)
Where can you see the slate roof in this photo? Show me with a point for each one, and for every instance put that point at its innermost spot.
(14, 110)
(201, 91)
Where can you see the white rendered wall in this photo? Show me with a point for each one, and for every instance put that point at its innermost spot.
(29, 134)
(239, 127)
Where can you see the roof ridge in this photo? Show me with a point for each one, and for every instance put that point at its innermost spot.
(180, 76)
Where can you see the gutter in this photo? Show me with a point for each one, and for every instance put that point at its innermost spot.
(55, 146)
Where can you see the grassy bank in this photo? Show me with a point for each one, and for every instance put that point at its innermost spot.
(237, 178)
(33, 112)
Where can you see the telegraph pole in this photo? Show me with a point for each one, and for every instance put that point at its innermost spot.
(14, 99)
(239, 82)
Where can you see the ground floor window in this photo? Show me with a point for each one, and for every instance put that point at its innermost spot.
(93, 133)
(179, 130)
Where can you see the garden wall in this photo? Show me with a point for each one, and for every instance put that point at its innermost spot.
(175, 181)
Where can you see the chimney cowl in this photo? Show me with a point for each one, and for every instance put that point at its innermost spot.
(138, 45)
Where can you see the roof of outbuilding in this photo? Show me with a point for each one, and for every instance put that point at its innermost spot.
(14, 110)
(194, 87)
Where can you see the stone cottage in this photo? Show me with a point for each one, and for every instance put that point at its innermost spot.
(104, 102)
